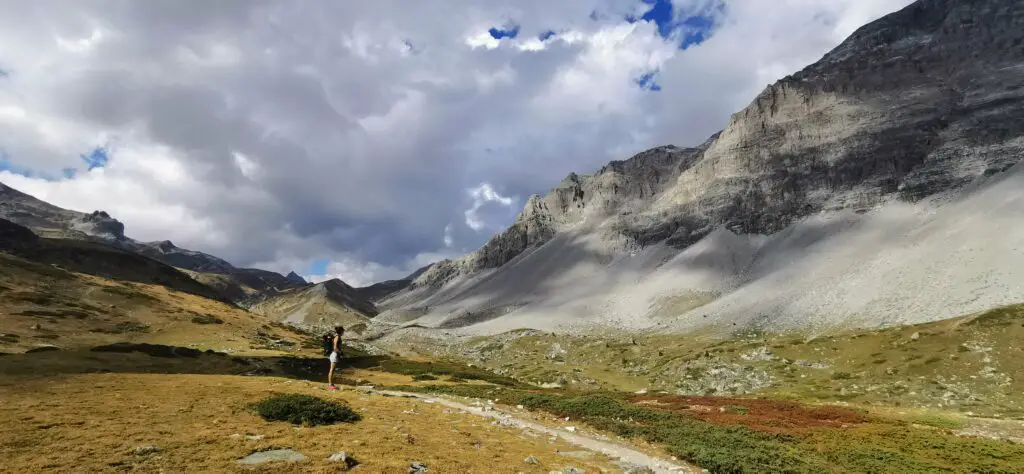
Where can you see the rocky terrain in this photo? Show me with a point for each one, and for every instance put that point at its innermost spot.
(877, 186)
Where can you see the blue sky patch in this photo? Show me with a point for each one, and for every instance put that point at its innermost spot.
(690, 30)
(505, 32)
(646, 81)
(318, 267)
(7, 165)
(97, 158)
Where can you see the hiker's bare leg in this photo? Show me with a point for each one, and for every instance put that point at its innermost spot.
(330, 375)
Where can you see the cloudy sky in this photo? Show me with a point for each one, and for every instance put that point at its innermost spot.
(365, 139)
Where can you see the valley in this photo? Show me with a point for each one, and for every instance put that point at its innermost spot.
(834, 282)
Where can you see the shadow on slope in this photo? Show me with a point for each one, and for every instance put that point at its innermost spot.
(97, 259)
(124, 357)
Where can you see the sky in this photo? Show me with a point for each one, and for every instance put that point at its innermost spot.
(363, 140)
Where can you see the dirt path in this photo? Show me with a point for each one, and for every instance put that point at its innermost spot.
(617, 451)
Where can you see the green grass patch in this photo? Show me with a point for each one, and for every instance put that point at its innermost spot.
(937, 421)
(881, 446)
(842, 376)
(304, 410)
(999, 317)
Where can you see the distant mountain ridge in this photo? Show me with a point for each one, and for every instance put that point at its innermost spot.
(101, 242)
(48, 220)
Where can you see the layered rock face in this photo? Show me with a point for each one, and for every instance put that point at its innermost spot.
(916, 104)
(620, 188)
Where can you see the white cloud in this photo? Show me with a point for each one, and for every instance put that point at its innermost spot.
(482, 195)
(278, 133)
(448, 240)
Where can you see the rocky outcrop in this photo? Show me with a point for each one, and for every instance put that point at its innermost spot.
(920, 102)
(618, 189)
(99, 224)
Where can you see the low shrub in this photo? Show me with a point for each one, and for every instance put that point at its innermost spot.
(304, 410)
(423, 377)
(206, 319)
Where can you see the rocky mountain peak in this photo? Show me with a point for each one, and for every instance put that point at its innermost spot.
(294, 278)
(100, 224)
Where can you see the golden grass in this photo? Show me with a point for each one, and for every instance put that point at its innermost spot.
(93, 423)
(41, 305)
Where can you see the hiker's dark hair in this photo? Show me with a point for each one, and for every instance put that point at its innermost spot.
(339, 329)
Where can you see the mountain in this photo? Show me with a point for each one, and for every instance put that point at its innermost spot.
(381, 290)
(320, 305)
(879, 185)
(295, 279)
(48, 220)
(97, 259)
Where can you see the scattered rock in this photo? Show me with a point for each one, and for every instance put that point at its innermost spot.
(44, 348)
(417, 467)
(146, 450)
(630, 468)
(531, 460)
(344, 458)
(761, 353)
(262, 457)
(36, 327)
(915, 336)
(571, 429)
(254, 437)
(642, 391)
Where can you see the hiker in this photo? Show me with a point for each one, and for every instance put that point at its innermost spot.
(332, 350)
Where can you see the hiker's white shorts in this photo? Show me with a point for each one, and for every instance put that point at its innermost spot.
(334, 357)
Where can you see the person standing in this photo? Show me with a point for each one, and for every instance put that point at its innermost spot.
(334, 346)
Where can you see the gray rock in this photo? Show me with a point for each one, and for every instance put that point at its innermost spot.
(274, 455)
(531, 460)
(417, 468)
(630, 468)
(343, 458)
(99, 224)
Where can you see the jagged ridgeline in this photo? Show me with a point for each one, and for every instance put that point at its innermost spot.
(804, 211)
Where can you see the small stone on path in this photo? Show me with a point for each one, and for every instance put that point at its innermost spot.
(531, 460)
(417, 468)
